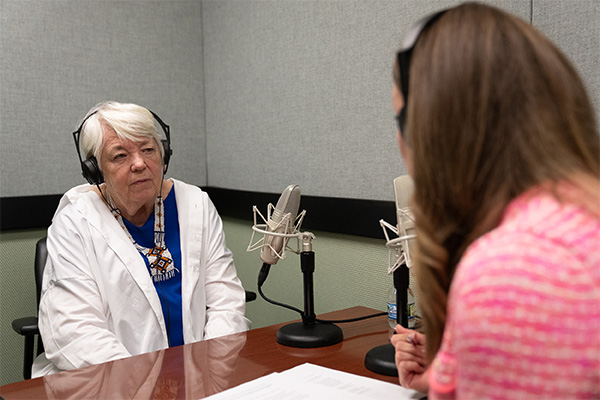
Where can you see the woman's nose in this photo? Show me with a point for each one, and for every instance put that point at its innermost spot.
(137, 162)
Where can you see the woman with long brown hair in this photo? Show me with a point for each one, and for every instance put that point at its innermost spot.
(501, 139)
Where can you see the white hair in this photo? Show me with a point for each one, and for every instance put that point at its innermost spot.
(128, 121)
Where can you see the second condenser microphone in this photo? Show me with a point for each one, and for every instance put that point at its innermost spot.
(282, 222)
(403, 188)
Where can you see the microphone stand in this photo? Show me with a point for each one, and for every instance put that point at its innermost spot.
(308, 333)
(382, 359)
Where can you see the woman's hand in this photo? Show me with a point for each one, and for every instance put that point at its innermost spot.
(410, 359)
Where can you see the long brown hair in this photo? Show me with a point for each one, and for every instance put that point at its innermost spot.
(495, 109)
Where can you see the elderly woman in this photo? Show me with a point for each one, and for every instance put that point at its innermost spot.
(502, 142)
(136, 262)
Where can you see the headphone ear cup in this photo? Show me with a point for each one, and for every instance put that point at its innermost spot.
(167, 151)
(91, 171)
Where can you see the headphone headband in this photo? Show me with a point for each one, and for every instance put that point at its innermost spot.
(90, 168)
(404, 57)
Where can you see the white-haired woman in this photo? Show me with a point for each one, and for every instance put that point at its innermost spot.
(136, 262)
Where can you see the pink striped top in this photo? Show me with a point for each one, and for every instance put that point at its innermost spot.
(524, 308)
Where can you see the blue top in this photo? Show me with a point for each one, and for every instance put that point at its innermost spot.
(167, 284)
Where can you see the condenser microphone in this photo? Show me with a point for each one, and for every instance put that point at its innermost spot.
(403, 188)
(281, 221)
(282, 224)
(381, 359)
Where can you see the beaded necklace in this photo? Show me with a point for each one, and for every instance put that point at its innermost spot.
(159, 257)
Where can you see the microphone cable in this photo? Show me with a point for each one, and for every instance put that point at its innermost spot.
(278, 303)
(341, 321)
(262, 277)
(108, 200)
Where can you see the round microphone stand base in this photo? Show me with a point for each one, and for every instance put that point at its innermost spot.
(298, 334)
(381, 360)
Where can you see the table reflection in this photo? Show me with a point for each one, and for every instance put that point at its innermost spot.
(191, 371)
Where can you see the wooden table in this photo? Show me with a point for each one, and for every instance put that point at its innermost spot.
(200, 369)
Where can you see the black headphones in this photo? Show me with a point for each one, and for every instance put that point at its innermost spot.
(404, 57)
(89, 167)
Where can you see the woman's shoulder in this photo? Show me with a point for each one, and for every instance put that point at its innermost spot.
(83, 198)
(535, 223)
(539, 240)
(190, 197)
(188, 190)
(184, 187)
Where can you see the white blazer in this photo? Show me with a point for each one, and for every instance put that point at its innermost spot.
(98, 301)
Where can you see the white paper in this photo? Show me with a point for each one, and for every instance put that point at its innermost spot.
(309, 381)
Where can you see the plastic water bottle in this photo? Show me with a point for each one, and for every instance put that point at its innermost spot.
(393, 310)
(411, 309)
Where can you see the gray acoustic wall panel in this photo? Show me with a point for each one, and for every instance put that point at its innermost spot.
(60, 57)
(296, 91)
(300, 92)
(574, 26)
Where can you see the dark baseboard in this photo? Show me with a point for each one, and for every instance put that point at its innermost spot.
(27, 212)
(329, 214)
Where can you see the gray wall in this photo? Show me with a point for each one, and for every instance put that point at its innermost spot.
(259, 94)
(300, 92)
(58, 58)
